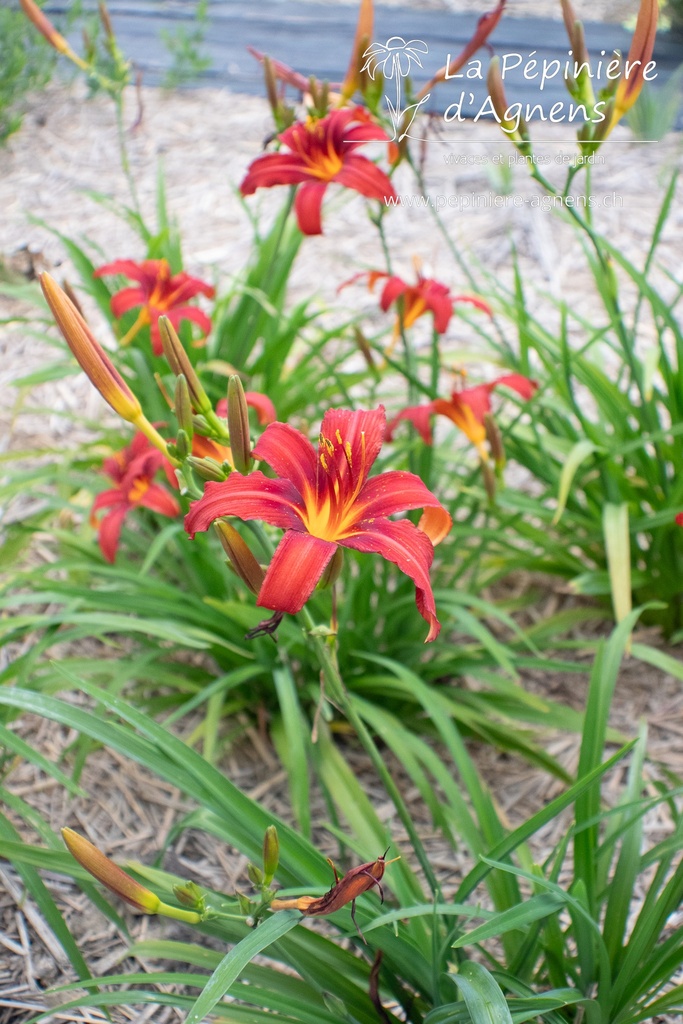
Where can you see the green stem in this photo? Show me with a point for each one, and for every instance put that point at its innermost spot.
(339, 695)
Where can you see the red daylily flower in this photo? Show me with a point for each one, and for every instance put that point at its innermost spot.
(467, 408)
(425, 296)
(159, 293)
(322, 151)
(679, 519)
(132, 470)
(323, 500)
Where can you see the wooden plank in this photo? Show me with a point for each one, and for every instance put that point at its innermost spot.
(316, 39)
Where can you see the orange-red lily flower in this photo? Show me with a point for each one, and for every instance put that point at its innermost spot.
(324, 499)
(133, 470)
(322, 151)
(467, 408)
(425, 296)
(159, 292)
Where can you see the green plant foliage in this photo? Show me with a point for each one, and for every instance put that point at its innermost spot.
(185, 47)
(26, 64)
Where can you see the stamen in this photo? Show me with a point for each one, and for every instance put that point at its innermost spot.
(349, 454)
(337, 434)
(323, 463)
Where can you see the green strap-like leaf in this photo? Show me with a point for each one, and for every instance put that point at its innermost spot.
(482, 994)
(232, 965)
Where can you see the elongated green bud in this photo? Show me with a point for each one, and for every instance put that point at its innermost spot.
(207, 469)
(238, 425)
(495, 440)
(178, 360)
(190, 895)
(183, 406)
(271, 854)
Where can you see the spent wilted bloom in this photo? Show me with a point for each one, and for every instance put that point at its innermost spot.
(344, 891)
(322, 151)
(132, 470)
(324, 500)
(159, 293)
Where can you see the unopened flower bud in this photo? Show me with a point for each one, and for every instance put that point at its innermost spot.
(47, 29)
(183, 406)
(255, 875)
(110, 874)
(271, 85)
(331, 572)
(364, 347)
(87, 350)
(179, 361)
(119, 882)
(516, 130)
(182, 445)
(190, 895)
(495, 440)
(200, 424)
(207, 469)
(238, 426)
(105, 20)
(271, 854)
(241, 558)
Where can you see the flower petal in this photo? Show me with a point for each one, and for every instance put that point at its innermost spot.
(462, 414)
(420, 416)
(360, 433)
(198, 316)
(106, 499)
(159, 500)
(359, 173)
(392, 492)
(265, 410)
(441, 305)
(412, 551)
(183, 286)
(274, 169)
(248, 497)
(297, 565)
(524, 387)
(290, 455)
(145, 273)
(475, 301)
(394, 287)
(109, 531)
(127, 298)
(307, 206)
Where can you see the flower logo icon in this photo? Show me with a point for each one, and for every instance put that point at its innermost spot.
(394, 60)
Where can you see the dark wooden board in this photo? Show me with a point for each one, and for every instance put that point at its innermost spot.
(316, 39)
